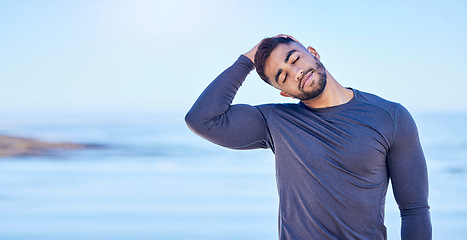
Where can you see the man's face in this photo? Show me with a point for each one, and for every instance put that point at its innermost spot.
(295, 71)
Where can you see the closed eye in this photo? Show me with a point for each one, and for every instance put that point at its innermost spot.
(285, 77)
(295, 60)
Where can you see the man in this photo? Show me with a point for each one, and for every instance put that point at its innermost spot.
(335, 150)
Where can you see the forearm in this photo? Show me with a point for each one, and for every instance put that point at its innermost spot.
(416, 224)
(218, 96)
(413, 203)
(410, 186)
(215, 119)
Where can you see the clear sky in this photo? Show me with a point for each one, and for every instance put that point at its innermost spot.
(98, 56)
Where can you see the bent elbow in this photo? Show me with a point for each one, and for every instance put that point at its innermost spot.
(190, 120)
(194, 122)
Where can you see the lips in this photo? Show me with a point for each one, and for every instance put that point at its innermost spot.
(307, 79)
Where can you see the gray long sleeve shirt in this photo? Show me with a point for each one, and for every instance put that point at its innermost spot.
(332, 164)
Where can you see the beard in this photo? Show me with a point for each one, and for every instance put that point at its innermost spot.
(317, 86)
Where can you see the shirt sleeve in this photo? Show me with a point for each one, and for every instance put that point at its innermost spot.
(409, 178)
(214, 118)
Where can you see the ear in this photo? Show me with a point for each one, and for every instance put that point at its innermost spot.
(313, 52)
(285, 94)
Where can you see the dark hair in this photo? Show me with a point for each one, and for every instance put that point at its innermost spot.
(265, 49)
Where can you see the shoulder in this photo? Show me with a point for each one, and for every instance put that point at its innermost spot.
(395, 109)
(401, 118)
(377, 102)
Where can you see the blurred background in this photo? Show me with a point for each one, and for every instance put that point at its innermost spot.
(122, 74)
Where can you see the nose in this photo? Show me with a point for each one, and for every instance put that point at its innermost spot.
(298, 74)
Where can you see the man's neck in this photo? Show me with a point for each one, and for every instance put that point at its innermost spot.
(334, 94)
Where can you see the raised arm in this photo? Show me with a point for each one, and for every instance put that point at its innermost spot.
(214, 118)
(409, 178)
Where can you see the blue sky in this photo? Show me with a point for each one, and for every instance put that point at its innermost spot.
(138, 56)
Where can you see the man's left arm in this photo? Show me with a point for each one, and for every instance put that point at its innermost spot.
(409, 177)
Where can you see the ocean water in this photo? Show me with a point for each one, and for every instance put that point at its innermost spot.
(154, 179)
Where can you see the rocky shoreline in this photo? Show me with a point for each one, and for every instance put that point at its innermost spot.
(20, 146)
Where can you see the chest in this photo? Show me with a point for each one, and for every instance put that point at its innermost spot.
(356, 145)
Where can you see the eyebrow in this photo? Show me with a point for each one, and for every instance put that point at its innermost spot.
(288, 55)
(286, 60)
